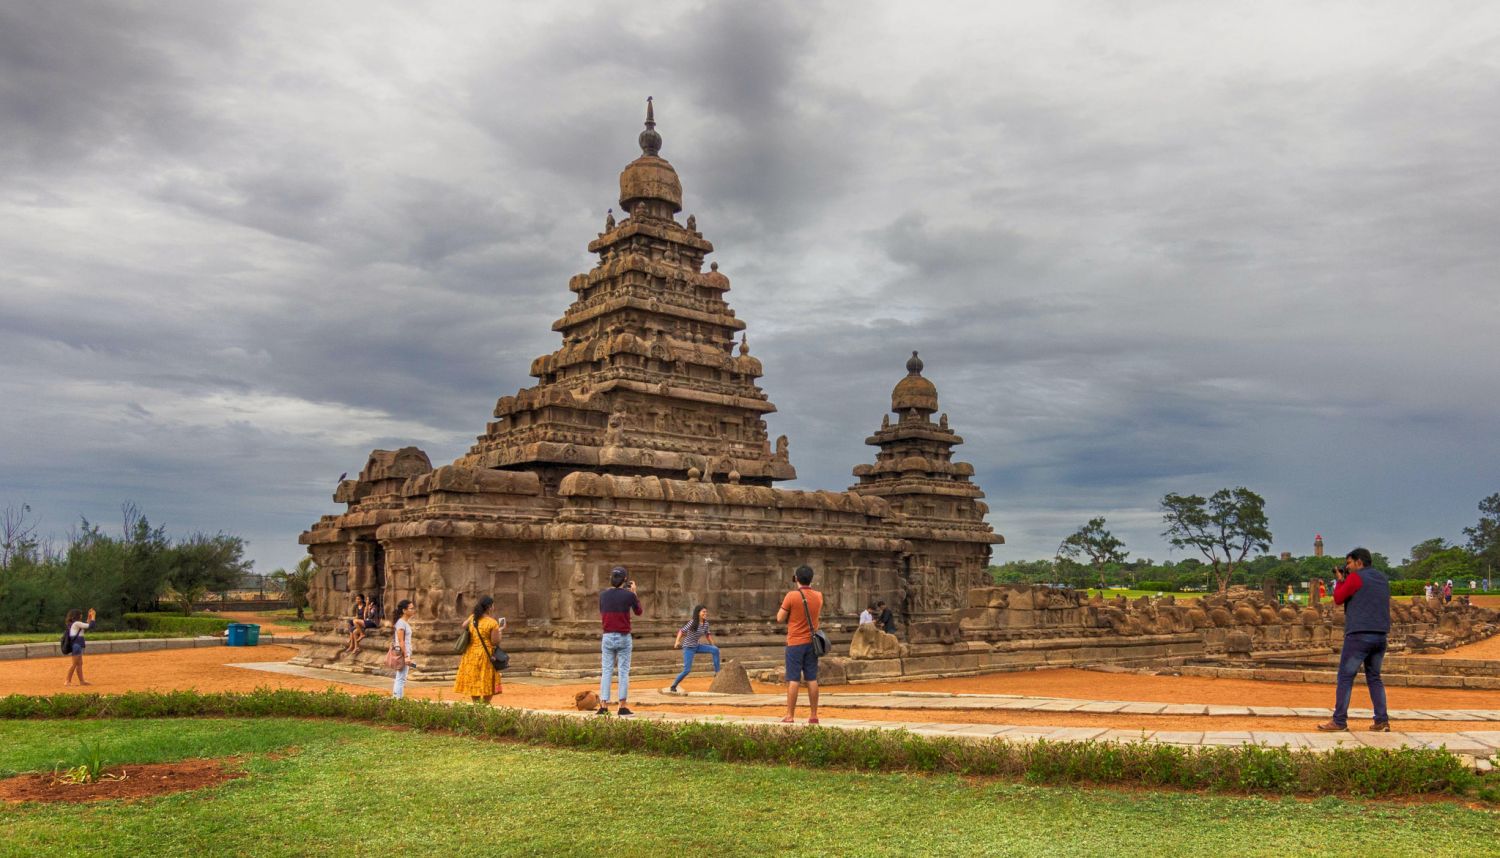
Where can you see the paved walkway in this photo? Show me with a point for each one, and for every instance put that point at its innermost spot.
(1482, 746)
(927, 701)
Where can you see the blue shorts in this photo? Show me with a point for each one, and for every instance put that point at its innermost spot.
(77, 648)
(801, 663)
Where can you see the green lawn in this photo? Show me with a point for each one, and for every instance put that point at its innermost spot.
(409, 793)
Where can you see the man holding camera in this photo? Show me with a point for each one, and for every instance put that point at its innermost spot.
(615, 607)
(1365, 594)
(800, 610)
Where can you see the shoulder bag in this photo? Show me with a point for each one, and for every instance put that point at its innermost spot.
(463, 641)
(395, 657)
(820, 643)
(498, 658)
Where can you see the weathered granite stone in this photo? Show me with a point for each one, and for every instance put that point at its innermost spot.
(732, 679)
(870, 642)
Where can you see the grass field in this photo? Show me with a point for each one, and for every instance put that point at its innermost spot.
(408, 793)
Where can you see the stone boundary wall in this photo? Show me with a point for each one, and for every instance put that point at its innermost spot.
(51, 649)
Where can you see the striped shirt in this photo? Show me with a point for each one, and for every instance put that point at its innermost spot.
(693, 634)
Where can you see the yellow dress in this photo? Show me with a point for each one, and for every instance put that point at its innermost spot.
(476, 676)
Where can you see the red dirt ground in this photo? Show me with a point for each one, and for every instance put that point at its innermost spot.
(129, 783)
(208, 669)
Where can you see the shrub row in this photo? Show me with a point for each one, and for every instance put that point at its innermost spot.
(176, 624)
(1368, 772)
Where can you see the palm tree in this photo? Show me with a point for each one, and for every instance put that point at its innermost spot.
(296, 583)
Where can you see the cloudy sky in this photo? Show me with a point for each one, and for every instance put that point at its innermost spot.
(1142, 247)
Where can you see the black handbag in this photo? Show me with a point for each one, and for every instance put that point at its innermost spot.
(499, 658)
(820, 642)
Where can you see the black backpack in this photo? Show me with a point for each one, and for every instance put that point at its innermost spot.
(67, 644)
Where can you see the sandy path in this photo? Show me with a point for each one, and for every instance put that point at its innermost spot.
(210, 669)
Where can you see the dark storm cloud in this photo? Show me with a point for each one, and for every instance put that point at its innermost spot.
(78, 79)
(1140, 249)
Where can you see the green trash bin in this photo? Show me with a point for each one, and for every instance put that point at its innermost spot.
(252, 634)
(235, 635)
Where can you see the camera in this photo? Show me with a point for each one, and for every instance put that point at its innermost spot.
(1341, 570)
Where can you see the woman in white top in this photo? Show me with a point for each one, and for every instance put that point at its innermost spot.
(76, 628)
(401, 643)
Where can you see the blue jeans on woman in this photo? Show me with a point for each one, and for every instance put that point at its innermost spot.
(614, 656)
(1367, 649)
(399, 689)
(687, 659)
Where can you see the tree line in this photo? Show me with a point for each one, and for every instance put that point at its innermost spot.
(135, 570)
(1224, 529)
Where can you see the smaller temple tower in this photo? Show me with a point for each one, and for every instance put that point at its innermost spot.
(1318, 545)
(938, 507)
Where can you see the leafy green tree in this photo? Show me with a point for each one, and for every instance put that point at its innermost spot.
(296, 584)
(145, 560)
(204, 564)
(1426, 548)
(1224, 528)
(1484, 537)
(1454, 562)
(1096, 543)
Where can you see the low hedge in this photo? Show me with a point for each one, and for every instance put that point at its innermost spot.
(176, 624)
(1367, 772)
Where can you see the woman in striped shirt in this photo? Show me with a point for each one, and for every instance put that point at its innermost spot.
(691, 638)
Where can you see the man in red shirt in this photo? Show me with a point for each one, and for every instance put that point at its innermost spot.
(800, 610)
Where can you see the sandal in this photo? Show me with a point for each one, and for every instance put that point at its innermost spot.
(789, 720)
(812, 720)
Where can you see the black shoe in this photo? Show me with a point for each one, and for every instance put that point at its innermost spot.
(624, 710)
(673, 690)
(603, 710)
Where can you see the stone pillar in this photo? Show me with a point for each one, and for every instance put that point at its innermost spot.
(1268, 590)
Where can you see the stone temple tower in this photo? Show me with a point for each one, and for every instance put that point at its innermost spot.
(1318, 545)
(940, 508)
(643, 443)
(647, 379)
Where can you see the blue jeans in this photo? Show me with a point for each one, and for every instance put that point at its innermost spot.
(1361, 648)
(614, 655)
(687, 659)
(400, 687)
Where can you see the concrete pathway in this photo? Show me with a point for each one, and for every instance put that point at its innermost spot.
(918, 701)
(1480, 746)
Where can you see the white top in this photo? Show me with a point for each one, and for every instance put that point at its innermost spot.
(866, 617)
(403, 630)
(77, 629)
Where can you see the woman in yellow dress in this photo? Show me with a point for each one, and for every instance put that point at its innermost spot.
(476, 675)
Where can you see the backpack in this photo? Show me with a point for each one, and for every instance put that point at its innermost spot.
(67, 643)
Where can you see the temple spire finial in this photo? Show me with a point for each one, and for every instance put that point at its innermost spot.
(650, 140)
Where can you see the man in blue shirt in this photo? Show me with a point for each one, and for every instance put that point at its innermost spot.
(1365, 594)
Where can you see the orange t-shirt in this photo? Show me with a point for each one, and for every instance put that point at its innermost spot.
(797, 629)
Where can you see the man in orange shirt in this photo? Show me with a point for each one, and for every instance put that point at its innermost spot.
(800, 610)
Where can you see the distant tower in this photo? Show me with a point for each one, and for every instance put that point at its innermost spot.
(1318, 545)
